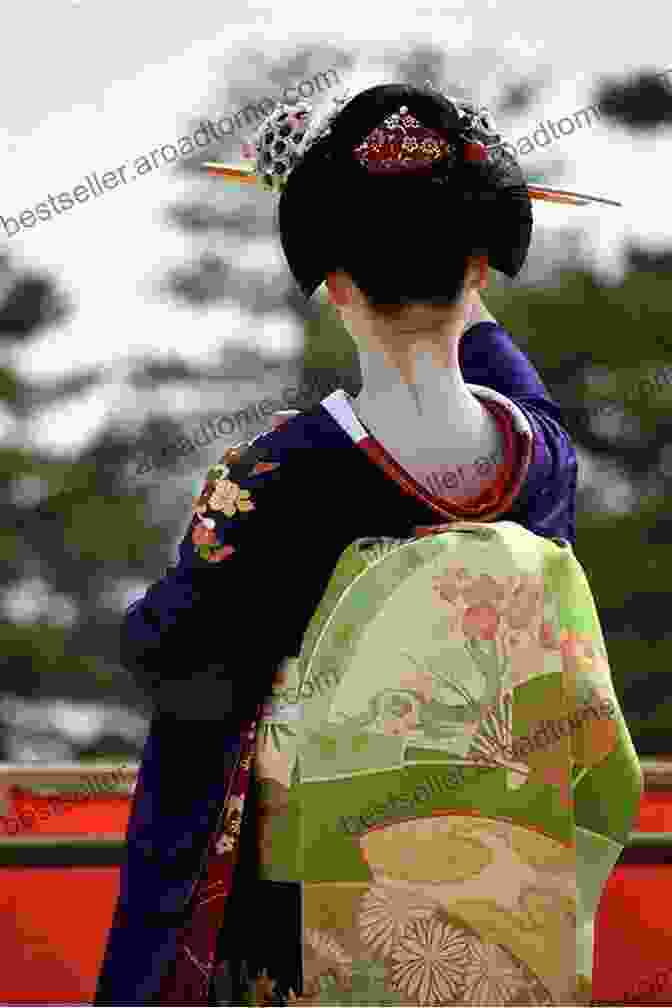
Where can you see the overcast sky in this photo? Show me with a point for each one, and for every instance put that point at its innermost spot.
(89, 86)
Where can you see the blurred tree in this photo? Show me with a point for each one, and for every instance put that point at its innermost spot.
(517, 97)
(68, 533)
(641, 103)
(427, 63)
(223, 220)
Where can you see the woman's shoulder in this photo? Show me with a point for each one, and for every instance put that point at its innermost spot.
(291, 435)
(253, 456)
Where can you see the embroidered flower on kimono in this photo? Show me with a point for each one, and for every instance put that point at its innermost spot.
(429, 962)
(330, 956)
(204, 538)
(451, 583)
(386, 912)
(203, 535)
(492, 975)
(229, 498)
(219, 494)
(481, 621)
(484, 590)
(527, 655)
(221, 554)
(526, 604)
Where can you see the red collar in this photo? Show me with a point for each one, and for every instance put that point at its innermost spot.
(495, 500)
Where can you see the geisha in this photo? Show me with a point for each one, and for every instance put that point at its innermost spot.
(399, 202)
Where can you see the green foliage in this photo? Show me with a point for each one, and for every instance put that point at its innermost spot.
(73, 530)
(34, 655)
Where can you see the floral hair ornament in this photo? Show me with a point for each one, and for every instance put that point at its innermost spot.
(400, 144)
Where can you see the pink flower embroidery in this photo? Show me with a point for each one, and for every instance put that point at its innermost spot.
(481, 621)
(526, 604)
(384, 915)
(450, 584)
(219, 494)
(221, 554)
(483, 591)
(203, 536)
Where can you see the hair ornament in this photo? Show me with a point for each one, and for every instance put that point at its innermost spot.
(400, 144)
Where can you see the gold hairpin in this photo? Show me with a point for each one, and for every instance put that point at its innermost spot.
(234, 172)
(246, 173)
(565, 196)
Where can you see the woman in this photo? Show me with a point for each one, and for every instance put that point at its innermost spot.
(400, 202)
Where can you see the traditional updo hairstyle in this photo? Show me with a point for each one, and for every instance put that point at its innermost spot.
(404, 238)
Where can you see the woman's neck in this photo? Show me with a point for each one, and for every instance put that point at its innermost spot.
(432, 419)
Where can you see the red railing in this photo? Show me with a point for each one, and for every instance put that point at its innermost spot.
(59, 881)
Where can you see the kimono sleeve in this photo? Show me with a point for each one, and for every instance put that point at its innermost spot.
(198, 642)
(547, 501)
(607, 779)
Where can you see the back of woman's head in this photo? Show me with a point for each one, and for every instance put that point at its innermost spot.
(404, 237)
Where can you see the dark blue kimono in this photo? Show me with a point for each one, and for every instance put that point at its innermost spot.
(206, 639)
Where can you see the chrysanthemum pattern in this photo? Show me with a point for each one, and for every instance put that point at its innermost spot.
(429, 962)
(491, 977)
(385, 913)
(331, 956)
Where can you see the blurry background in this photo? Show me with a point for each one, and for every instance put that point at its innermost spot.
(128, 321)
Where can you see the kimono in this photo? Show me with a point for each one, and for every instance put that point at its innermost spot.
(207, 639)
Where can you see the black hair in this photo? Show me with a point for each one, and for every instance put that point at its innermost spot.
(403, 239)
